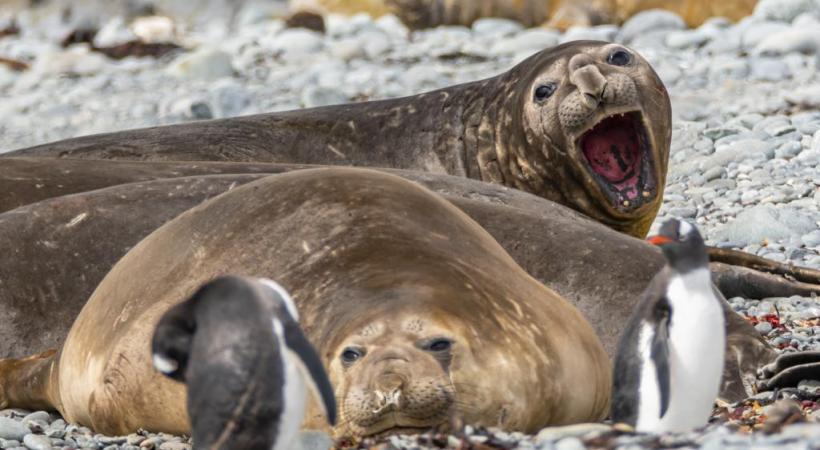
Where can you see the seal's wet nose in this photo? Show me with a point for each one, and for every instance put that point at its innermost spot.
(584, 74)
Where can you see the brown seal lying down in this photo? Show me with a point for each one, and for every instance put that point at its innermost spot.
(400, 291)
(104, 224)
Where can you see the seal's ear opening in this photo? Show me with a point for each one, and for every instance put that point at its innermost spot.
(171, 344)
(308, 362)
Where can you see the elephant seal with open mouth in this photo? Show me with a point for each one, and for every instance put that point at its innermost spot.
(586, 124)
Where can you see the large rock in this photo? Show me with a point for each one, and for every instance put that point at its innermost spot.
(784, 10)
(792, 40)
(767, 223)
(807, 97)
(758, 32)
(11, 429)
(648, 21)
(533, 40)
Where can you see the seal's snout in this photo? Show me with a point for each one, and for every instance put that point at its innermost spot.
(589, 80)
(390, 382)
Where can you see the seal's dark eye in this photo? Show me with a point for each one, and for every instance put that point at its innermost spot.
(351, 355)
(439, 345)
(544, 91)
(619, 57)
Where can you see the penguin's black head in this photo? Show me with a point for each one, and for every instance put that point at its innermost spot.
(682, 245)
(230, 344)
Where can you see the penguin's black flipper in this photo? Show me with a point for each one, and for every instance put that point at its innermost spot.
(312, 367)
(790, 369)
(171, 343)
(659, 351)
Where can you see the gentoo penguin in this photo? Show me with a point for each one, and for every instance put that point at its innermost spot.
(237, 345)
(669, 361)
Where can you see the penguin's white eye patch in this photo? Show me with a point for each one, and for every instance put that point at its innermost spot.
(284, 295)
(164, 365)
(684, 229)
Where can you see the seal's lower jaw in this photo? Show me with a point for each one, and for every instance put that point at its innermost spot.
(395, 424)
(618, 154)
(399, 431)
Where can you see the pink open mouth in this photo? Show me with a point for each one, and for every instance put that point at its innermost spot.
(617, 152)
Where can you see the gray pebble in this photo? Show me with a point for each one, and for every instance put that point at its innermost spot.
(570, 443)
(11, 429)
(40, 416)
(205, 63)
(597, 33)
(175, 446)
(763, 327)
(651, 20)
(314, 96)
(789, 41)
(37, 442)
(495, 27)
(783, 10)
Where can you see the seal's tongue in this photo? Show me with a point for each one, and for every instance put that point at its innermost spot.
(612, 149)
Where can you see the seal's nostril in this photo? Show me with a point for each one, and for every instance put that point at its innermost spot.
(390, 382)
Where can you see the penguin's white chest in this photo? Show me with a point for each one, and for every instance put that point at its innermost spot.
(697, 342)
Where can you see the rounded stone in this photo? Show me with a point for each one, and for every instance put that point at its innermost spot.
(11, 429)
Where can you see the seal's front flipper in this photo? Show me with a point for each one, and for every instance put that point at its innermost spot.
(789, 369)
(757, 263)
(738, 281)
(27, 383)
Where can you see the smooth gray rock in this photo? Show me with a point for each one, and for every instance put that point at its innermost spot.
(790, 41)
(806, 97)
(769, 69)
(114, 32)
(37, 442)
(597, 33)
(495, 27)
(314, 96)
(764, 327)
(766, 222)
(576, 431)
(295, 43)
(41, 416)
(811, 239)
(753, 35)
(11, 429)
(686, 39)
(570, 443)
(651, 20)
(175, 446)
(206, 63)
(783, 10)
(533, 40)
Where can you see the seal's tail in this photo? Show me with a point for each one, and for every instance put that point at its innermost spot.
(27, 383)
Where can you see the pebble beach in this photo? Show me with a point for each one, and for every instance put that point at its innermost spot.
(744, 163)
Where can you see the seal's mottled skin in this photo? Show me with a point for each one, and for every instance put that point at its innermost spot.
(491, 130)
(362, 253)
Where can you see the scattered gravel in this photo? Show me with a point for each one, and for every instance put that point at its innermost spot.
(743, 166)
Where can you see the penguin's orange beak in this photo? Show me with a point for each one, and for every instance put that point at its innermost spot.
(658, 240)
